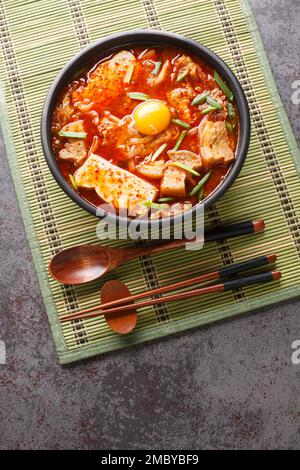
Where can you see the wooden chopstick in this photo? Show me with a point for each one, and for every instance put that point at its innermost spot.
(220, 273)
(227, 285)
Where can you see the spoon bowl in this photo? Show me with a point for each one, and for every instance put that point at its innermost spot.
(80, 264)
(85, 263)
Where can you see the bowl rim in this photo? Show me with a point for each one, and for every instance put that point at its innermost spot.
(127, 39)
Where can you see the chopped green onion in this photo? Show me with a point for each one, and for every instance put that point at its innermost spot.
(73, 182)
(181, 123)
(165, 199)
(199, 99)
(72, 135)
(200, 185)
(129, 73)
(223, 86)
(200, 194)
(229, 126)
(157, 67)
(158, 152)
(213, 103)
(207, 110)
(181, 76)
(231, 111)
(180, 139)
(185, 167)
(153, 205)
(135, 95)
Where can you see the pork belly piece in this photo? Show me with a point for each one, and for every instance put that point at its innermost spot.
(74, 149)
(152, 170)
(180, 99)
(106, 81)
(194, 71)
(174, 179)
(186, 157)
(115, 185)
(108, 128)
(219, 96)
(214, 143)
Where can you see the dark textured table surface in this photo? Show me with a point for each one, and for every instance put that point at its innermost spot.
(230, 385)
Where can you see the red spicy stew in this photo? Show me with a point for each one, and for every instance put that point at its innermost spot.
(152, 128)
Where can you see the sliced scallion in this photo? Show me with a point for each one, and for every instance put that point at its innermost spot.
(72, 135)
(223, 86)
(180, 139)
(129, 73)
(135, 95)
(157, 67)
(73, 182)
(181, 76)
(152, 205)
(213, 103)
(158, 152)
(180, 123)
(231, 111)
(201, 194)
(186, 168)
(165, 199)
(200, 185)
(229, 126)
(199, 99)
(207, 110)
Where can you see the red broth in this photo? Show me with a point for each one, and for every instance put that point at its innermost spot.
(90, 105)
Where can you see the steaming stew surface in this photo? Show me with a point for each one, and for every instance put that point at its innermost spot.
(153, 128)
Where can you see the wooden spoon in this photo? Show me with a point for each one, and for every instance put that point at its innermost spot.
(124, 323)
(84, 263)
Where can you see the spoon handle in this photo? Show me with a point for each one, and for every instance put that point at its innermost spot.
(227, 231)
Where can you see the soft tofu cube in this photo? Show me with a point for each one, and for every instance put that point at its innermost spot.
(173, 182)
(214, 143)
(174, 178)
(152, 170)
(115, 185)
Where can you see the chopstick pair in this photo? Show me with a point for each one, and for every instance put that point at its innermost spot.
(125, 304)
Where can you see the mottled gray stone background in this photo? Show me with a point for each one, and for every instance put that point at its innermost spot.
(230, 385)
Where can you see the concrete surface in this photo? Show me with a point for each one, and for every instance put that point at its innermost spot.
(231, 385)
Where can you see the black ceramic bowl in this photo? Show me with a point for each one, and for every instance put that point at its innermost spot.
(92, 54)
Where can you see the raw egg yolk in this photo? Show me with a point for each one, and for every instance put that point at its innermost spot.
(151, 117)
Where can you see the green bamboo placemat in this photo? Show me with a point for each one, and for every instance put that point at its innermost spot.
(38, 38)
